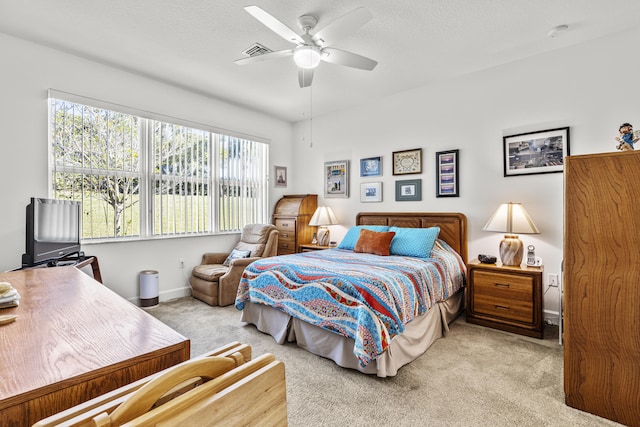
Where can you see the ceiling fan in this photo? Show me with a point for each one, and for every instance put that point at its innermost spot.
(312, 48)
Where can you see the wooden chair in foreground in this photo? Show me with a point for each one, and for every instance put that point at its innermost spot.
(223, 387)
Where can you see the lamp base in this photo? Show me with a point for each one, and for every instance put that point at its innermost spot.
(511, 250)
(323, 236)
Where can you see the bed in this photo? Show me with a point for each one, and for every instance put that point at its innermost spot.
(366, 312)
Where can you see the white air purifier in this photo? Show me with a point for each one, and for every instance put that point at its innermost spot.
(149, 288)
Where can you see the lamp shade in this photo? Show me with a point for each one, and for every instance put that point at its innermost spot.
(323, 216)
(511, 218)
(306, 56)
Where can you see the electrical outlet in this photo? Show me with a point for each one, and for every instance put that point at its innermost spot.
(181, 261)
(553, 280)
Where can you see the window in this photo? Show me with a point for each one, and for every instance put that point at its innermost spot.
(141, 177)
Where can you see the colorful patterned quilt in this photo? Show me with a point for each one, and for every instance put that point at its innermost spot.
(366, 297)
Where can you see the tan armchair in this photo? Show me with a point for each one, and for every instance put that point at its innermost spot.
(216, 283)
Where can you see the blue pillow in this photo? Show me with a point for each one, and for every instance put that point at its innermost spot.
(350, 239)
(416, 242)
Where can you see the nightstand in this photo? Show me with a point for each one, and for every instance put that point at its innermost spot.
(505, 298)
(309, 247)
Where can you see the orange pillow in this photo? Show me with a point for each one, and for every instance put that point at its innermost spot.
(374, 242)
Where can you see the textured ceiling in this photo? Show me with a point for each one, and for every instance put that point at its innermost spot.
(193, 43)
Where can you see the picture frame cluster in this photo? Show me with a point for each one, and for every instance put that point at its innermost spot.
(523, 154)
(408, 162)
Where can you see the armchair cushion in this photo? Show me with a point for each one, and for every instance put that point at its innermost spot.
(210, 272)
(235, 254)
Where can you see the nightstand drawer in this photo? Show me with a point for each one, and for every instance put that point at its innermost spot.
(508, 296)
(519, 311)
(501, 285)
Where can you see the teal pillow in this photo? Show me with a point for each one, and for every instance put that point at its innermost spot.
(416, 242)
(350, 239)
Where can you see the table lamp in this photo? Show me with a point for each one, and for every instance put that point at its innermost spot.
(511, 218)
(322, 217)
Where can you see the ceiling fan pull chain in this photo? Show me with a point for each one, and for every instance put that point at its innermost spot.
(311, 116)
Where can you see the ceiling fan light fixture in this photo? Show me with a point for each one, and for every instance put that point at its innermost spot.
(306, 56)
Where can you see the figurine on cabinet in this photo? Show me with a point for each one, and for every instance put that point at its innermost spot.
(627, 138)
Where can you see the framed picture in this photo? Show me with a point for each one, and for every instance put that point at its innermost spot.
(447, 183)
(536, 152)
(281, 176)
(409, 190)
(407, 161)
(336, 175)
(371, 192)
(371, 166)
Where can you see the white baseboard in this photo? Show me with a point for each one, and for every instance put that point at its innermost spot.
(175, 293)
(166, 295)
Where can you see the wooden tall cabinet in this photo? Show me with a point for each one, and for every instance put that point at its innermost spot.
(291, 217)
(602, 285)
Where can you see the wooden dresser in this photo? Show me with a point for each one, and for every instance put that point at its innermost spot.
(506, 298)
(291, 217)
(602, 285)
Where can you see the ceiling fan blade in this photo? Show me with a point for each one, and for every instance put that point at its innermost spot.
(305, 76)
(350, 59)
(342, 27)
(265, 57)
(274, 24)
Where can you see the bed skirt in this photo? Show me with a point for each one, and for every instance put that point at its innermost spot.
(418, 336)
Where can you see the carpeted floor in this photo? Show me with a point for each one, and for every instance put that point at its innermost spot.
(475, 376)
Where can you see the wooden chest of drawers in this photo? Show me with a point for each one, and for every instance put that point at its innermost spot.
(287, 237)
(291, 217)
(506, 298)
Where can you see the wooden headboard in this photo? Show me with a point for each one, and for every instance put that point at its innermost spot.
(453, 226)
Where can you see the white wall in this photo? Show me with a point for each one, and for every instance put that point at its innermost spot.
(27, 71)
(587, 87)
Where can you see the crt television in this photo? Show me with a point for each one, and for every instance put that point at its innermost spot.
(53, 230)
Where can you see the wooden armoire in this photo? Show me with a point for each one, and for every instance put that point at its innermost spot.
(602, 285)
(291, 217)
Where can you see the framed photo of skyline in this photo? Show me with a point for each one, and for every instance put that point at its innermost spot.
(535, 152)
